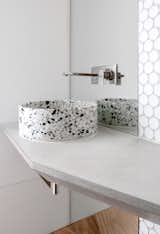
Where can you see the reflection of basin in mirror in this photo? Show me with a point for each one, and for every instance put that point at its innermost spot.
(57, 120)
(119, 113)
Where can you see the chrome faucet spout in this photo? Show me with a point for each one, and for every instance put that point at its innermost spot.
(81, 74)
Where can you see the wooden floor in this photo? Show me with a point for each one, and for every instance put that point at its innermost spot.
(110, 221)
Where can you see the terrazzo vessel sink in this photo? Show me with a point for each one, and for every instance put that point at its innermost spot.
(57, 120)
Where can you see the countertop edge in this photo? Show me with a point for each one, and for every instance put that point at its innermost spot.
(139, 207)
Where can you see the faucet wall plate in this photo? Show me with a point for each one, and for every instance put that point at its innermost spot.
(103, 71)
(101, 74)
(98, 70)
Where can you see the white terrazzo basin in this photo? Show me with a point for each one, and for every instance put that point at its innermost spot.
(57, 120)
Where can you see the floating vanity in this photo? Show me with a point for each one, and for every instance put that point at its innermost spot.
(112, 167)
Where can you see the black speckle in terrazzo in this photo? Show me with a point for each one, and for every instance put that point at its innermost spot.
(54, 112)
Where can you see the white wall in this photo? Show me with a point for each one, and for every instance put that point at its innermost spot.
(34, 52)
(104, 32)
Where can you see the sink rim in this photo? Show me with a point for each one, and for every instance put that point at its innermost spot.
(68, 104)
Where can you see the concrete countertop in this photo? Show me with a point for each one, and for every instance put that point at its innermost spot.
(112, 167)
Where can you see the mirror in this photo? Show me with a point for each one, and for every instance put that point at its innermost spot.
(105, 32)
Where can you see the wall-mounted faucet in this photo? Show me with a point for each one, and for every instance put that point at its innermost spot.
(109, 73)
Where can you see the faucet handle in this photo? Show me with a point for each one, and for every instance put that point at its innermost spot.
(115, 76)
(109, 74)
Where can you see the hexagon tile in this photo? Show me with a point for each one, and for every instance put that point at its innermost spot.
(147, 227)
(149, 82)
(149, 69)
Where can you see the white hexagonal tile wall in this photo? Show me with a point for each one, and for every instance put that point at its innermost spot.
(147, 227)
(149, 81)
(149, 68)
